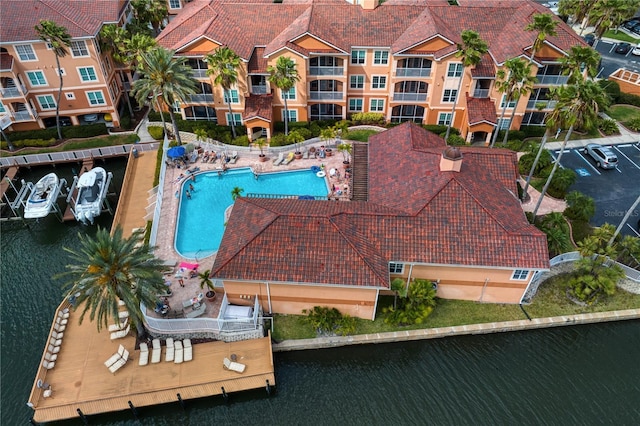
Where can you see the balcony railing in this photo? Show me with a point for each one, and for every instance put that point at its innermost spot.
(413, 72)
(481, 93)
(326, 70)
(541, 104)
(5, 120)
(199, 73)
(13, 92)
(552, 79)
(325, 96)
(201, 97)
(401, 97)
(259, 89)
(24, 116)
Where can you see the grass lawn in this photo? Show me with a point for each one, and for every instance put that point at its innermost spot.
(574, 136)
(551, 300)
(77, 144)
(623, 112)
(620, 35)
(360, 135)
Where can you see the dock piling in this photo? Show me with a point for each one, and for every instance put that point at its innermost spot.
(268, 388)
(224, 395)
(82, 416)
(181, 401)
(133, 409)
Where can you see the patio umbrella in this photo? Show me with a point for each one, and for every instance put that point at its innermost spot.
(175, 152)
(189, 147)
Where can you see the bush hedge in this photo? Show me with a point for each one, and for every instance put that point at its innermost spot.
(69, 132)
(156, 132)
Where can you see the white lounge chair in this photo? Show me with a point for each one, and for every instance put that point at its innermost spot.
(59, 328)
(169, 351)
(156, 352)
(50, 357)
(279, 160)
(188, 350)
(62, 322)
(305, 154)
(55, 342)
(234, 157)
(288, 159)
(123, 314)
(53, 349)
(112, 360)
(120, 334)
(117, 365)
(118, 327)
(48, 364)
(196, 312)
(144, 354)
(64, 314)
(233, 366)
(56, 335)
(179, 352)
(120, 302)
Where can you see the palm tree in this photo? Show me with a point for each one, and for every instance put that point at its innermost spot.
(470, 51)
(224, 64)
(579, 206)
(59, 39)
(166, 77)
(578, 105)
(578, 9)
(236, 192)
(153, 12)
(514, 80)
(579, 60)
(284, 76)
(545, 25)
(108, 268)
(605, 14)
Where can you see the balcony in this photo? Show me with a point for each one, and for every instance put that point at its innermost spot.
(201, 97)
(326, 96)
(481, 93)
(199, 73)
(5, 120)
(326, 71)
(541, 104)
(13, 92)
(258, 89)
(413, 72)
(24, 116)
(555, 80)
(413, 97)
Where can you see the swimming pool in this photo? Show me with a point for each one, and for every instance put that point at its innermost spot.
(200, 222)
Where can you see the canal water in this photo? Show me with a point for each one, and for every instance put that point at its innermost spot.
(581, 375)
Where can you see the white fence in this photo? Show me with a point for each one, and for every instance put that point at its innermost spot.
(159, 192)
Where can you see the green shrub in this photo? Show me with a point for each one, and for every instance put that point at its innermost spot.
(32, 134)
(611, 88)
(629, 99)
(315, 129)
(39, 143)
(533, 131)
(580, 207)
(456, 140)
(242, 140)
(634, 124)
(279, 139)
(438, 129)
(88, 131)
(125, 122)
(304, 132)
(526, 161)
(562, 180)
(608, 126)
(513, 135)
(370, 118)
(156, 132)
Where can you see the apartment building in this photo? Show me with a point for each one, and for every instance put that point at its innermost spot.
(93, 87)
(397, 58)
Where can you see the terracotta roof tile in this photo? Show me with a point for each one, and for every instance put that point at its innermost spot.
(485, 69)
(258, 106)
(481, 109)
(257, 63)
(6, 61)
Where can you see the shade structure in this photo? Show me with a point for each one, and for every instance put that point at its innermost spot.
(175, 152)
(189, 147)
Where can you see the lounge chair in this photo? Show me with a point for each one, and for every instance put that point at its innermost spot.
(289, 158)
(144, 354)
(156, 352)
(118, 327)
(112, 360)
(117, 365)
(57, 335)
(233, 366)
(59, 328)
(47, 393)
(48, 364)
(279, 160)
(305, 154)
(234, 157)
(179, 352)
(55, 342)
(188, 350)
(62, 322)
(50, 357)
(196, 312)
(120, 334)
(53, 349)
(169, 352)
(123, 314)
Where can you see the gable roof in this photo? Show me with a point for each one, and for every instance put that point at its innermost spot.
(81, 18)
(481, 110)
(402, 25)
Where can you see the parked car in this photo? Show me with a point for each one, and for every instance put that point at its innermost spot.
(590, 38)
(604, 156)
(636, 50)
(623, 48)
(551, 4)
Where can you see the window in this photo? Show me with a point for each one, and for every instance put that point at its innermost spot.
(379, 82)
(88, 74)
(237, 119)
(290, 95)
(376, 105)
(355, 104)
(504, 123)
(176, 107)
(358, 57)
(70, 96)
(293, 115)
(36, 78)
(520, 274)
(380, 57)
(449, 95)
(396, 268)
(61, 72)
(25, 52)
(174, 4)
(455, 70)
(79, 49)
(96, 98)
(512, 103)
(46, 102)
(231, 96)
(2, 108)
(356, 82)
(444, 118)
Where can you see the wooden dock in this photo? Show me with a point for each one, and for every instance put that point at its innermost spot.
(9, 176)
(80, 379)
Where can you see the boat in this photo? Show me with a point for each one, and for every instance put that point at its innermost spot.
(92, 189)
(42, 197)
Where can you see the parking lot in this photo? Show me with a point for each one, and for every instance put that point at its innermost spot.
(614, 190)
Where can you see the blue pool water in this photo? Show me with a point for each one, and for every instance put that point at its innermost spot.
(201, 219)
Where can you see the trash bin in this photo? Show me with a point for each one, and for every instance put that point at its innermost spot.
(135, 152)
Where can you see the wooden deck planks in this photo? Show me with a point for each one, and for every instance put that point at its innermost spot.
(80, 379)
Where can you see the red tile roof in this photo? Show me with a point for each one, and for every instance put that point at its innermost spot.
(402, 25)
(80, 18)
(6, 61)
(481, 110)
(258, 106)
(415, 213)
(257, 63)
(486, 68)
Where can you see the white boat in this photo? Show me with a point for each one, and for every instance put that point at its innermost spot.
(43, 194)
(92, 190)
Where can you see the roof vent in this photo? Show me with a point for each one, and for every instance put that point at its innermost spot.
(451, 160)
